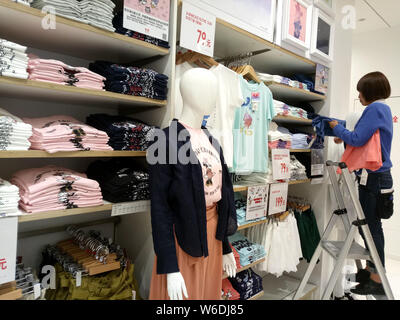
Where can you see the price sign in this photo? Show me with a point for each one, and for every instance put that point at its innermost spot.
(197, 30)
(8, 248)
(317, 162)
(148, 17)
(257, 201)
(278, 198)
(120, 209)
(280, 164)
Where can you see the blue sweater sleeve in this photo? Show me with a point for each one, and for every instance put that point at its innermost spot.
(366, 127)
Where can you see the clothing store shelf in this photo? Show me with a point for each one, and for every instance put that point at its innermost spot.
(231, 40)
(284, 288)
(246, 267)
(250, 225)
(257, 296)
(124, 208)
(30, 154)
(293, 120)
(38, 90)
(300, 150)
(63, 213)
(70, 37)
(288, 94)
(239, 188)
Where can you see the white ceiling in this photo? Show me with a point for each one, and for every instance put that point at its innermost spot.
(378, 14)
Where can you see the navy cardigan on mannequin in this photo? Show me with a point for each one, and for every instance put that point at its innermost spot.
(178, 204)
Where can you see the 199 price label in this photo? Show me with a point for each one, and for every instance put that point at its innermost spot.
(197, 29)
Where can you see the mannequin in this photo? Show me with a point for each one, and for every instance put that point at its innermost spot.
(199, 92)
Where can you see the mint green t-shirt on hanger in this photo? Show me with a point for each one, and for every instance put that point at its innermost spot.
(250, 129)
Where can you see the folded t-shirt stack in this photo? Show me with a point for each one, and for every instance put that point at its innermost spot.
(65, 133)
(98, 13)
(284, 109)
(228, 292)
(132, 80)
(9, 199)
(247, 283)
(282, 80)
(300, 141)
(125, 133)
(241, 206)
(14, 134)
(54, 71)
(13, 60)
(24, 2)
(297, 169)
(118, 25)
(120, 180)
(55, 188)
(248, 252)
(279, 137)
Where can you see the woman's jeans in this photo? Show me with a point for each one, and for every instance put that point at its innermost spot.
(368, 198)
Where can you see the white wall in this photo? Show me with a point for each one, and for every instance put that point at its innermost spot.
(379, 51)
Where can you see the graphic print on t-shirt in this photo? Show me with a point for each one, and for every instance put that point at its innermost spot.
(211, 184)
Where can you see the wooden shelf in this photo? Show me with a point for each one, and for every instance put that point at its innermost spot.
(231, 40)
(70, 37)
(246, 267)
(128, 208)
(12, 87)
(30, 154)
(293, 120)
(300, 150)
(288, 94)
(238, 188)
(257, 296)
(62, 213)
(250, 225)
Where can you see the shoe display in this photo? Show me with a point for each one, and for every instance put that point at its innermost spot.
(369, 287)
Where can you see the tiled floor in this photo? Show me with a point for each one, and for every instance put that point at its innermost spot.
(393, 273)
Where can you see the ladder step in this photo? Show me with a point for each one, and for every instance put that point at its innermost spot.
(357, 252)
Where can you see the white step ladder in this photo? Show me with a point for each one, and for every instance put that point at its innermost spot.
(348, 249)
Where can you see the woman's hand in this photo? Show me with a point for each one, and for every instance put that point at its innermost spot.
(338, 140)
(333, 124)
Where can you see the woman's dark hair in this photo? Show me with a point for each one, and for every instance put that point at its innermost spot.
(374, 86)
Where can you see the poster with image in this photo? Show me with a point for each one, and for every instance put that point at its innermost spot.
(322, 79)
(298, 20)
(255, 16)
(323, 36)
(150, 17)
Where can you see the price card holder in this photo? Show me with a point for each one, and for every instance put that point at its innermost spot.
(280, 164)
(120, 209)
(36, 291)
(278, 198)
(257, 201)
(317, 162)
(197, 30)
(8, 248)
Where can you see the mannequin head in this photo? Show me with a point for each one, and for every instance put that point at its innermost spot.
(199, 94)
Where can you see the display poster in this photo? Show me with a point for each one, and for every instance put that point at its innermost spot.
(280, 164)
(278, 198)
(8, 249)
(254, 16)
(197, 30)
(150, 17)
(257, 202)
(322, 79)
